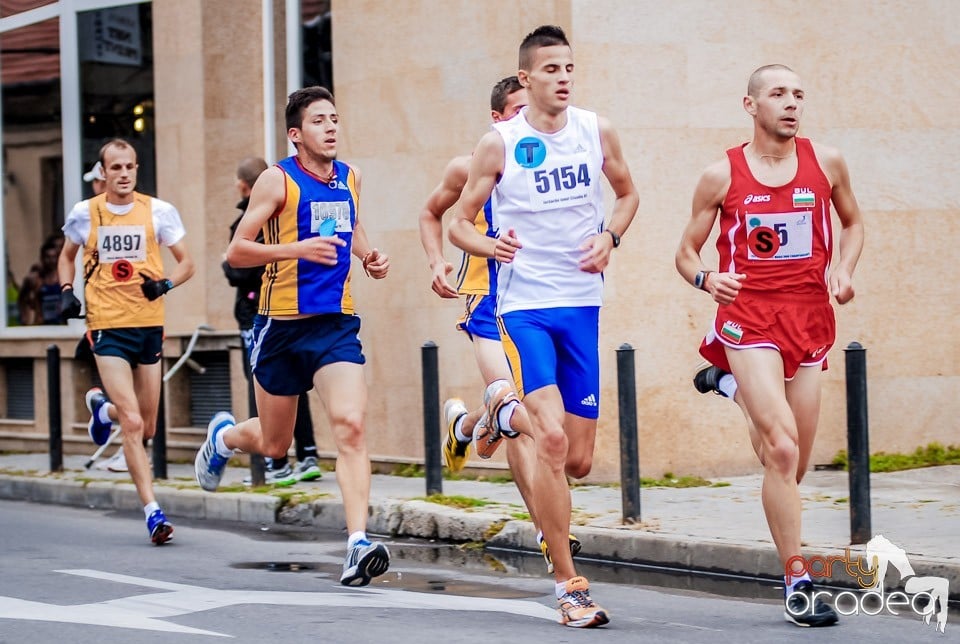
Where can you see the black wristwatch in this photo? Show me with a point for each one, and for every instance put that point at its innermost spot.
(700, 280)
(615, 236)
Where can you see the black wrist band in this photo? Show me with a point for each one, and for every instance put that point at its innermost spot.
(615, 236)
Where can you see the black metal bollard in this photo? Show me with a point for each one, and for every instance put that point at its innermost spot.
(54, 405)
(858, 443)
(431, 418)
(629, 452)
(160, 437)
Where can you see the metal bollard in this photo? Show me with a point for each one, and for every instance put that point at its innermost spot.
(54, 405)
(858, 443)
(431, 418)
(629, 453)
(160, 437)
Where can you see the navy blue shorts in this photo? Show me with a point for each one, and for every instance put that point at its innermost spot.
(136, 345)
(286, 354)
(480, 318)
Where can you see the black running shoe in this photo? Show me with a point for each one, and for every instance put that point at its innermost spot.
(803, 608)
(707, 379)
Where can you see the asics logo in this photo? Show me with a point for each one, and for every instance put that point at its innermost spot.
(755, 199)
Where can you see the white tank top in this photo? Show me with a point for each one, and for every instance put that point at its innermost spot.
(550, 195)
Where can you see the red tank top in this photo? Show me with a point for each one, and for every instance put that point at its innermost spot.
(781, 238)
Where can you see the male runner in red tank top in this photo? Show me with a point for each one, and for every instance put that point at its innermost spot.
(775, 324)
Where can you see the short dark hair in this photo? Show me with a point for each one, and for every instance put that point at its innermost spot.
(502, 91)
(544, 36)
(249, 169)
(756, 78)
(301, 99)
(115, 143)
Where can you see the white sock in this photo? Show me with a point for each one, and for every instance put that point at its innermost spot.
(727, 386)
(504, 416)
(220, 446)
(359, 535)
(102, 414)
(458, 430)
(539, 536)
(789, 587)
(560, 589)
(150, 508)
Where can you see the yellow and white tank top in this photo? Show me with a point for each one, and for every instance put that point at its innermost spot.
(117, 249)
(550, 194)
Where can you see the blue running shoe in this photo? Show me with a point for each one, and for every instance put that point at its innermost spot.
(99, 430)
(161, 530)
(365, 560)
(209, 465)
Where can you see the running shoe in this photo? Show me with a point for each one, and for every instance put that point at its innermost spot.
(308, 469)
(209, 465)
(284, 477)
(161, 530)
(708, 378)
(488, 435)
(118, 462)
(365, 560)
(803, 608)
(99, 431)
(575, 546)
(454, 452)
(576, 608)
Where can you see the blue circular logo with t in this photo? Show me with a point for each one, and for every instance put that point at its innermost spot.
(530, 152)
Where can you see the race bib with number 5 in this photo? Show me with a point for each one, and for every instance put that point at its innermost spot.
(779, 236)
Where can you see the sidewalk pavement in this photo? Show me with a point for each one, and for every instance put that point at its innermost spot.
(720, 529)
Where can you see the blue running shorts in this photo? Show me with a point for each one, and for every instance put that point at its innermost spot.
(480, 318)
(286, 354)
(556, 347)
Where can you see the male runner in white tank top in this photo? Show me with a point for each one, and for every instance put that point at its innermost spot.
(542, 169)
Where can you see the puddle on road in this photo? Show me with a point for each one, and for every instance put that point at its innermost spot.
(413, 582)
(507, 563)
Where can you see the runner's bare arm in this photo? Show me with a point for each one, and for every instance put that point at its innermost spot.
(266, 199)
(486, 165)
(707, 199)
(851, 222)
(598, 248)
(443, 197)
(66, 265)
(185, 267)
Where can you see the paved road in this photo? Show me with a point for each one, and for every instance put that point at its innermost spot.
(89, 575)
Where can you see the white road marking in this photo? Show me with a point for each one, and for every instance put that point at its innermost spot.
(145, 612)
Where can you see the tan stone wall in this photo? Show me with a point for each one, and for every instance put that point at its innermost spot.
(413, 82)
(208, 70)
(413, 79)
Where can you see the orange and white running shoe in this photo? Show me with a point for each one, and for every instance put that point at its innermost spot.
(576, 608)
(487, 436)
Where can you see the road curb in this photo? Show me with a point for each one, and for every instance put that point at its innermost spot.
(422, 519)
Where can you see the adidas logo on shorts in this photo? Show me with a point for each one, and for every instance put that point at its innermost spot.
(589, 401)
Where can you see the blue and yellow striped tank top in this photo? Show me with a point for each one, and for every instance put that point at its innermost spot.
(298, 286)
(478, 275)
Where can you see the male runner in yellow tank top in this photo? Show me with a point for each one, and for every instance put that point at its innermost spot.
(121, 232)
